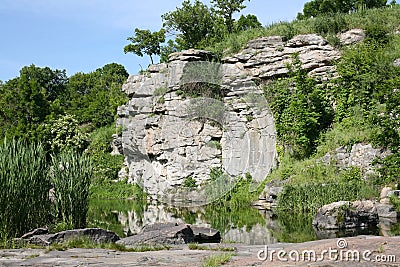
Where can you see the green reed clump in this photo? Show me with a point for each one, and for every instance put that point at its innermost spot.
(70, 175)
(24, 188)
(308, 198)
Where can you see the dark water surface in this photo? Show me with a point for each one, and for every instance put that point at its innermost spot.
(236, 224)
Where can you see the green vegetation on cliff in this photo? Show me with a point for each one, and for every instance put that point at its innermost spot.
(359, 106)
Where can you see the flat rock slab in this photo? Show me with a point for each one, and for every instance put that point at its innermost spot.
(245, 255)
(97, 235)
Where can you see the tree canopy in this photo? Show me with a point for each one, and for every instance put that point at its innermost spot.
(94, 97)
(193, 24)
(226, 9)
(146, 42)
(41, 95)
(248, 22)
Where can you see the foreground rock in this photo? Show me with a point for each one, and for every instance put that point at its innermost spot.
(172, 234)
(96, 235)
(245, 255)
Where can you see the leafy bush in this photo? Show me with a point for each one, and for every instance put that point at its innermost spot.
(106, 166)
(64, 134)
(388, 169)
(94, 97)
(301, 110)
(189, 182)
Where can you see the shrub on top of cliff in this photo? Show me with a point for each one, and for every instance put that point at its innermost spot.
(202, 79)
(146, 42)
(301, 110)
(325, 25)
(316, 8)
(193, 24)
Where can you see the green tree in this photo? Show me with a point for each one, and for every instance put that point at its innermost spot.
(248, 22)
(192, 24)
(25, 101)
(226, 9)
(146, 42)
(52, 82)
(94, 97)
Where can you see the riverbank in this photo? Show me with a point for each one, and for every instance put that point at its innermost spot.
(369, 248)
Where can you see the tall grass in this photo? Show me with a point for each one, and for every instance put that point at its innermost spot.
(70, 175)
(310, 197)
(24, 188)
(25, 183)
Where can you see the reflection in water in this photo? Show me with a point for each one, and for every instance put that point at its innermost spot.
(236, 224)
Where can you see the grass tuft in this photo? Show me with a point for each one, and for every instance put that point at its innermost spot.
(217, 260)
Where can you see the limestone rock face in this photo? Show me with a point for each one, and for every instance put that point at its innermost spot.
(359, 155)
(267, 57)
(191, 115)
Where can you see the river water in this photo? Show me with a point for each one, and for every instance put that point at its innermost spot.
(237, 224)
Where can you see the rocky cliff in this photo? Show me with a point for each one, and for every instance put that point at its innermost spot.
(193, 118)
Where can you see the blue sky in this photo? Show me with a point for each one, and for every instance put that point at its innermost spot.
(83, 35)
